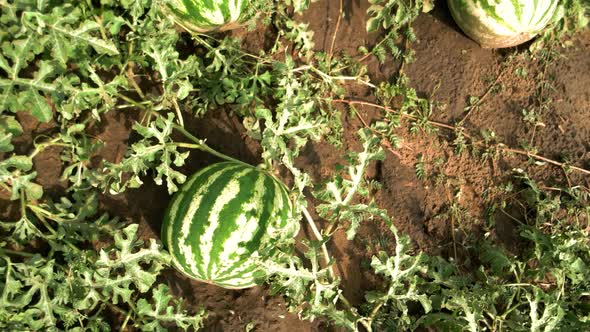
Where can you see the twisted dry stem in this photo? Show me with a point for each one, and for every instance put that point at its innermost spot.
(466, 135)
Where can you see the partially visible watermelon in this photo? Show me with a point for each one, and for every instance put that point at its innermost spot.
(225, 215)
(207, 15)
(502, 23)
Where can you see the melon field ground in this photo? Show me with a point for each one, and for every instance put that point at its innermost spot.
(449, 68)
(448, 203)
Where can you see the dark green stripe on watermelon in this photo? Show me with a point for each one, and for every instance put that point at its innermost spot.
(201, 215)
(207, 15)
(231, 212)
(265, 216)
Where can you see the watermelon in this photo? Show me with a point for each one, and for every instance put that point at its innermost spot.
(502, 23)
(221, 220)
(207, 15)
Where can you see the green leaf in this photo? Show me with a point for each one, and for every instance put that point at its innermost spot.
(11, 172)
(34, 191)
(64, 35)
(31, 94)
(337, 194)
(9, 128)
(37, 104)
(156, 151)
(120, 266)
(497, 260)
(373, 24)
(20, 51)
(551, 311)
(25, 229)
(78, 59)
(165, 310)
(22, 163)
(10, 125)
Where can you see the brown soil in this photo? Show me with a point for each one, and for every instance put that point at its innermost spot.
(450, 68)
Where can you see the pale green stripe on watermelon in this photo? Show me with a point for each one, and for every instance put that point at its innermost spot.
(281, 214)
(233, 190)
(203, 15)
(245, 226)
(242, 271)
(543, 17)
(189, 201)
(489, 20)
(200, 222)
(174, 208)
(202, 211)
(243, 277)
(280, 203)
(517, 9)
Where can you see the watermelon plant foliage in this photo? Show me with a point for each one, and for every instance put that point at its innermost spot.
(69, 64)
(68, 264)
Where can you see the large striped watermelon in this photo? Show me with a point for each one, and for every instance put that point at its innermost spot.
(222, 218)
(502, 23)
(207, 15)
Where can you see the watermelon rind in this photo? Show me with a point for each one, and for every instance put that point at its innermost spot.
(202, 16)
(222, 219)
(502, 23)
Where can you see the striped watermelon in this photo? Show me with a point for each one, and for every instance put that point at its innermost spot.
(207, 15)
(220, 221)
(502, 23)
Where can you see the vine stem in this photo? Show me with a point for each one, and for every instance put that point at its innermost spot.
(449, 127)
(366, 56)
(126, 321)
(39, 211)
(481, 99)
(326, 255)
(331, 53)
(452, 217)
(381, 42)
(5, 187)
(541, 91)
(319, 237)
(42, 146)
(178, 112)
(16, 253)
(375, 311)
(199, 143)
(333, 78)
(23, 205)
(547, 160)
